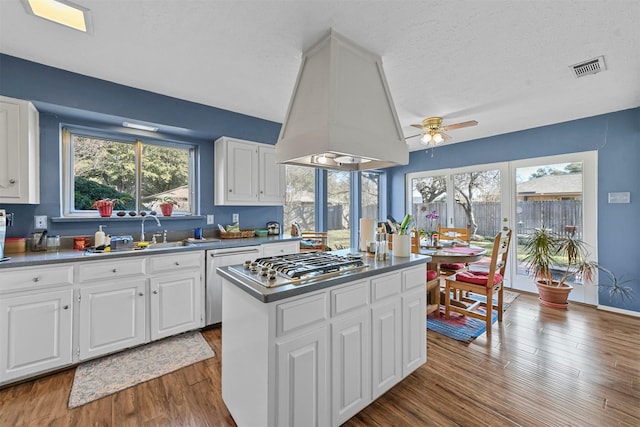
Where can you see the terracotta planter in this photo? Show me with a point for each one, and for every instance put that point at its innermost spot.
(554, 296)
(105, 211)
(167, 209)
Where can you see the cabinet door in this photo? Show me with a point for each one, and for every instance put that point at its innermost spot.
(242, 172)
(35, 333)
(112, 317)
(386, 345)
(175, 304)
(350, 366)
(19, 158)
(272, 177)
(414, 331)
(301, 383)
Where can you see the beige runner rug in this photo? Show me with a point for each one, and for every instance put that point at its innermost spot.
(101, 377)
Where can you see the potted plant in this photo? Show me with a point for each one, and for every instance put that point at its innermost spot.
(166, 205)
(566, 255)
(105, 206)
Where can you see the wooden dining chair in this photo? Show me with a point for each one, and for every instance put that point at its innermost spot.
(311, 240)
(451, 234)
(432, 279)
(460, 287)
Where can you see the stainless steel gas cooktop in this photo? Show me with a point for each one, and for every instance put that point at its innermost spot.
(298, 268)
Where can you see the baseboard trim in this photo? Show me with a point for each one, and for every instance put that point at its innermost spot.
(619, 310)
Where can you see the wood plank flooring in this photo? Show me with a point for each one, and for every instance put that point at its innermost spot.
(541, 367)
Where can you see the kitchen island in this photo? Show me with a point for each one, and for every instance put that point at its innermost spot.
(317, 352)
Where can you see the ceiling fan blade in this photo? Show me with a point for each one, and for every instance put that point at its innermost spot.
(413, 136)
(417, 126)
(460, 125)
(445, 136)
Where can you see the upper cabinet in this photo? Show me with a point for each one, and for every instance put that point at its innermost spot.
(246, 173)
(19, 152)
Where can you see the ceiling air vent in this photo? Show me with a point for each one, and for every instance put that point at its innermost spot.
(592, 66)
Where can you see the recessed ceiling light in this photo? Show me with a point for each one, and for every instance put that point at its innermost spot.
(139, 126)
(60, 12)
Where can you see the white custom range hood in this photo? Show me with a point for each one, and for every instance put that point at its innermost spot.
(341, 114)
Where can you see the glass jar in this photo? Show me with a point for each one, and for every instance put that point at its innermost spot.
(53, 243)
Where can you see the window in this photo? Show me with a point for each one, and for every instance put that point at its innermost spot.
(139, 173)
(370, 194)
(300, 199)
(338, 208)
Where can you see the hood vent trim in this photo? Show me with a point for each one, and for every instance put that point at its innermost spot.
(341, 114)
(592, 66)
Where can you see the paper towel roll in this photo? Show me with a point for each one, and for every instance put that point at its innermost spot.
(367, 232)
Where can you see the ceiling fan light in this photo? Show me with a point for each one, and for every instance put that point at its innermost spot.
(437, 138)
(426, 139)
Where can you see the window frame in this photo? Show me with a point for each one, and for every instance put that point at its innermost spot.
(67, 165)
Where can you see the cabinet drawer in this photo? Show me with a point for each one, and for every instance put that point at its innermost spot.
(105, 270)
(385, 286)
(354, 296)
(19, 279)
(280, 248)
(414, 277)
(160, 263)
(301, 312)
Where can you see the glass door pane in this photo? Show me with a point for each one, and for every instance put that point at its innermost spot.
(429, 202)
(338, 204)
(549, 195)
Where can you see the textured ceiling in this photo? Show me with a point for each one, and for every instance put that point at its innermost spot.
(502, 63)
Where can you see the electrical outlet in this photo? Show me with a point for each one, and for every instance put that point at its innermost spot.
(40, 222)
(210, 219)
(235, 218)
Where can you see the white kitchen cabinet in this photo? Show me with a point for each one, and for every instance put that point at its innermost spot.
(246, 174)
(35, 333)
(112, 317)
(175, 303)
(274, 249)
(301, 384)
(386, 345)
(19, 152)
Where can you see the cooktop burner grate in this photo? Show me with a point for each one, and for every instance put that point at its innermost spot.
(309, 263)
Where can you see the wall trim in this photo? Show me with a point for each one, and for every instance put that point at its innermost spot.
(619, 310)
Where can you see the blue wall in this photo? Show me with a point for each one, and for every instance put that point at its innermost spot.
(68, 98)
(616, 137)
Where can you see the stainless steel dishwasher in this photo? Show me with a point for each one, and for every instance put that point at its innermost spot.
(221, 258)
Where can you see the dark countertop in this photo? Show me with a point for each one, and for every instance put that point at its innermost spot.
(267, 295)
(32, 259)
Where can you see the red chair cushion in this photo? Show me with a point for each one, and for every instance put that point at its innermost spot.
(431, 274)
(477, 277)
(456, 266)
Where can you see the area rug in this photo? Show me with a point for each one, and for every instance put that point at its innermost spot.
(101, 377)
(464, 328)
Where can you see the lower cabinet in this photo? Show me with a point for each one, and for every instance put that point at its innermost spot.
(112, 317)
(386, 346)
(302, 380)
(175, 304)
(35, 333)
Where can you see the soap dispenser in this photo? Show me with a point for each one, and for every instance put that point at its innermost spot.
(98, 238)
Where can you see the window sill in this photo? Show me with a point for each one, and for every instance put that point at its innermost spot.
(124, 218)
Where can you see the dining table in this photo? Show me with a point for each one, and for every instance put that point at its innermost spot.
(448, 255)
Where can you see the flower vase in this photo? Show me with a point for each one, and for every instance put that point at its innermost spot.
(167, 209)
(105, 211)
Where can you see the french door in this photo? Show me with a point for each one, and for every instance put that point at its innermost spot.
(558, 190)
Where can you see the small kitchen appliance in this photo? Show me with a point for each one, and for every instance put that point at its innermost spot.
(273, 228)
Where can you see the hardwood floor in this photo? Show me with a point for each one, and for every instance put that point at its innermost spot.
(541, 367)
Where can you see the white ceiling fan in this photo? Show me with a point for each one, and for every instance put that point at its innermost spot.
(433, 131)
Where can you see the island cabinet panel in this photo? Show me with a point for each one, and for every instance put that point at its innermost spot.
(301, 381)
(318, 358)
(35, 333)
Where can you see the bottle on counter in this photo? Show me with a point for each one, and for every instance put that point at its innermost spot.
(382, 246)
(99, 237)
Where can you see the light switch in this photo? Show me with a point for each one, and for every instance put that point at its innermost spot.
(40, 222)
(210, 219)
(235, 218)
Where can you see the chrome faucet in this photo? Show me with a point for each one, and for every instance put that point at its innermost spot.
(143, 219)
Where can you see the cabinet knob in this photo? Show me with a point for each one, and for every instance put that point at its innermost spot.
(261, 192)
(66, 307)
(115, 270)
(177, 263)
(12, 181)
(141, 294)
(230, 191)
(36, 279)
(155, 292)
